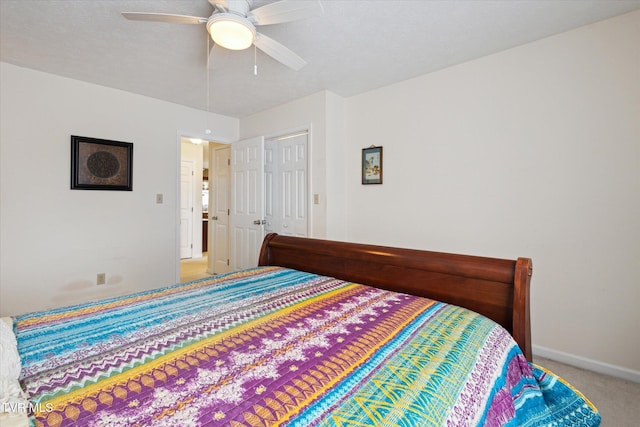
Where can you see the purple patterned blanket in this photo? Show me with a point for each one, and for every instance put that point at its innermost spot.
(271, 346)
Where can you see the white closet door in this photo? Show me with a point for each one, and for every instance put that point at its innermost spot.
(247, 202)
(293, 186)
(271, 193)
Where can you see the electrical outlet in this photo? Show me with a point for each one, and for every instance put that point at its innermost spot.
(316, 199)
(159, 198)
(101, 279)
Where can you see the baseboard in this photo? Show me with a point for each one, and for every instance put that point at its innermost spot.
(589, 364)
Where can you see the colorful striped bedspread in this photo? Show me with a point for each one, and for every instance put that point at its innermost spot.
(272, 346)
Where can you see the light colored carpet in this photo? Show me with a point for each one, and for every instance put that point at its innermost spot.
(617, 400)
(193, 268)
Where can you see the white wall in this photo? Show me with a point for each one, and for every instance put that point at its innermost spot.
(55, 240)
(533, 152)
(323, 114)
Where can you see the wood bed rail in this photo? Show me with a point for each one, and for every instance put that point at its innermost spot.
(496, 288)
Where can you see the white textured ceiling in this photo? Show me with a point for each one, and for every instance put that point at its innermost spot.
(353, 47)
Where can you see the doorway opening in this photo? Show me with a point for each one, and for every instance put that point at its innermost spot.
(210, 225)
(196, 194)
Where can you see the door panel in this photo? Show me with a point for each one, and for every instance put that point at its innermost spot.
(292, 170)
(186, 209)
(220, 219)
(270, 192)
(247, 211)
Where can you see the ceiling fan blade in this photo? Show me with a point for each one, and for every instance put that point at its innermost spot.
(164, 17)
(279, 52)
(284, 11)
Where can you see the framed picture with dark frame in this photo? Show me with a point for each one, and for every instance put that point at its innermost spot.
(372, 165)
(101, 164)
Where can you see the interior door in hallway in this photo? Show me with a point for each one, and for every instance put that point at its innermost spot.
(219, 219)
(186, 209)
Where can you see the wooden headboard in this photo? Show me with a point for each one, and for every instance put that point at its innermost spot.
(496, 288)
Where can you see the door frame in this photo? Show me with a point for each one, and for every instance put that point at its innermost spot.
(208, 135)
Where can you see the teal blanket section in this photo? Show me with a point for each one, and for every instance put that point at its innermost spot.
(567, 406)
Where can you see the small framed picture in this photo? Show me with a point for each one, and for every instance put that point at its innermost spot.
(101, 164)
(372, 165)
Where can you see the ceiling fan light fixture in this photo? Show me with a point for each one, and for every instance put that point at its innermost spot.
(231, 31)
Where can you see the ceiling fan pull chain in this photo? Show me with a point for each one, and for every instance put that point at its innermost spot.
(208, 78)
(255, 60)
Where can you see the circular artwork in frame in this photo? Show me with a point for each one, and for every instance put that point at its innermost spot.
(101, 164)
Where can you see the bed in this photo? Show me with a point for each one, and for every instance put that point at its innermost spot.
(320, 333)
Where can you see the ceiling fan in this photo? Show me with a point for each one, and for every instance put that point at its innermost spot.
(233, 23)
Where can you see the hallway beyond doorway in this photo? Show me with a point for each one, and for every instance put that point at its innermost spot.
(194, 268)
